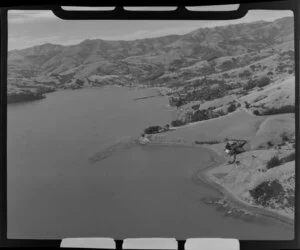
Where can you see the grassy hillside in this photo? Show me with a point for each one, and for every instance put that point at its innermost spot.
(219, 60)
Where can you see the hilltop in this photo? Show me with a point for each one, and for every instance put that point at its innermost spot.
(174, 61)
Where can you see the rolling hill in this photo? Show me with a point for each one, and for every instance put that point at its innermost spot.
(172, 61)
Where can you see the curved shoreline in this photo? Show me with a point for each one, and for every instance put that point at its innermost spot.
(204, 176)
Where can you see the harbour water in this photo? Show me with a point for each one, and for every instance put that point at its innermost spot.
(55, 191)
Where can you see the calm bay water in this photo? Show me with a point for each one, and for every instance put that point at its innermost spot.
(144, 191)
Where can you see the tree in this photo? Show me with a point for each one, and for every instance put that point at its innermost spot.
(263, 81)
(281, 110)
(153, 130)
(256, 112)
(231, 108)
(177, 123)
(196, 106)
(267, 191)
(247, 105)
(260, 82)
(245, 73)
(273, 162)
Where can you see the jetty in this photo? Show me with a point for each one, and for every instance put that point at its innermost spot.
(144, 97)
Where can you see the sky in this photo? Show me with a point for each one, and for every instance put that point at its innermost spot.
(27, 28)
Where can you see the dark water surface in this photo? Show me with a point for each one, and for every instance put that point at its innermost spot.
(141, 191)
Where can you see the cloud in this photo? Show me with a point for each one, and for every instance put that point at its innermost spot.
(33, 27)
(23, 16)
(141, 34)
(28, 41)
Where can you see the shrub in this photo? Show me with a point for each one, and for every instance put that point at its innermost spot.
(290, 157)
(200, 115)
(167, 126)
(263, 81)
(250, 85)
(196, 106)
(290, 71)
(256, 112)
(228, 64)
(259, 82)
(281, 110)
(284, 137)
(267, 191)
(245, 73)
(247, 105)
(244, 92)
(291, 199)
(220, 112)
(273, 162)
(270, 73)
(226, 75)
(79, 82)
(236, 85)
(207, 142)
(153, 130)
(231, 108)
(177, 123)
(205, 93)
(176, 101)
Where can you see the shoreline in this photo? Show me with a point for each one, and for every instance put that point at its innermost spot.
(208, 178)
(159, 92)
(204, 175)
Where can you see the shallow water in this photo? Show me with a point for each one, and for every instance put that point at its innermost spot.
(56, 189)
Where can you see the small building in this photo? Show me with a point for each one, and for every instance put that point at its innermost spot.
(143, 139)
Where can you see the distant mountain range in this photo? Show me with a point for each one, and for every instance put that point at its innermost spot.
(162, 61)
